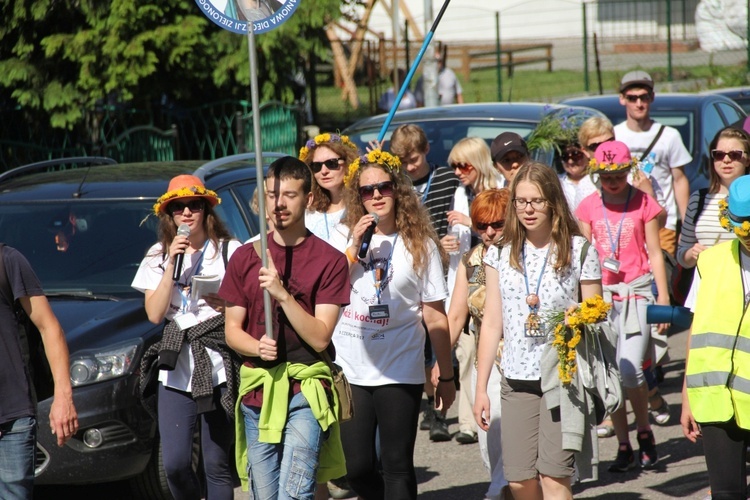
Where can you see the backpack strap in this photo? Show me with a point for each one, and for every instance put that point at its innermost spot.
(225, 252)
(653, 143)
(702, 193)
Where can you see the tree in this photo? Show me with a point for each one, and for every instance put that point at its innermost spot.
(59, 59)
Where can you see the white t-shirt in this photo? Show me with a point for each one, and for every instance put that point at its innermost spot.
(322, 224)
(374, 351)
(576, 192)
(669, 153)
(522, 355)
(149, 275)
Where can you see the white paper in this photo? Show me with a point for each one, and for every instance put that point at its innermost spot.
(203, 285)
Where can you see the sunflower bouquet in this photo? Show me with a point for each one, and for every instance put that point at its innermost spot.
(569, 327)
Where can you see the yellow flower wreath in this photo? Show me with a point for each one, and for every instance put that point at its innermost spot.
(392, 163)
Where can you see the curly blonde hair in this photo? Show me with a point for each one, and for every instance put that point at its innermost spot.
(321, 196)
(413, 222)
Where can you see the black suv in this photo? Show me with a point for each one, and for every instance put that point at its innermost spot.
(84, 225)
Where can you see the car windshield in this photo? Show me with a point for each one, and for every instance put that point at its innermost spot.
(444, 134)
(81, 247)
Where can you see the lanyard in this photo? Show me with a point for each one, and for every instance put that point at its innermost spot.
(378, 274)
(429, 183)
(325, 219)
(534, 308)
(196, 268)
(615, 244)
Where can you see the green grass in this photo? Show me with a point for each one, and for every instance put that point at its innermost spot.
(532, 85)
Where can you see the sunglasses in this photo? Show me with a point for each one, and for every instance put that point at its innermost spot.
(592, 147)
(719, 155)
(331, 164)
(463, 167)
(177, 207)
(573, 154)
(482, 226)
(368, 192)
(635, 97)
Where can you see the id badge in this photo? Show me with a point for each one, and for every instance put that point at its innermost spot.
(612, 265)
(379, 311)
(533, 327)
(186, 320)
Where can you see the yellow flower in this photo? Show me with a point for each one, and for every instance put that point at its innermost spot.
(376, 156)
(322, 139)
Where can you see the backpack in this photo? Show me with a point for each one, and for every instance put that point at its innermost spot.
(682, 278)
(32, 347)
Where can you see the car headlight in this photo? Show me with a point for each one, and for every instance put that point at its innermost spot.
(93, 366)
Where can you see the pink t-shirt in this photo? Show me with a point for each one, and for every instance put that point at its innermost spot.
(630, 250)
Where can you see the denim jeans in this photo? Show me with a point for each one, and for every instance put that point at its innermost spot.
(284, 470)
(17, 440)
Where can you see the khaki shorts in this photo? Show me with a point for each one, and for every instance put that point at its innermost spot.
(531, 434)
(668, 240)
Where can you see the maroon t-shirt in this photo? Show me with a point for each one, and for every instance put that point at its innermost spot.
(313, 272)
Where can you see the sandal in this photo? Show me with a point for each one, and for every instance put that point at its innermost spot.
(661, 414)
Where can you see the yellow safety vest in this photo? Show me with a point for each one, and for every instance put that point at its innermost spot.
(718, 367)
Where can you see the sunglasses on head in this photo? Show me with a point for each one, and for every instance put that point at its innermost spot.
(331, 164)
(592, 147)
(482, 226)
(463, 167)
(635, 97)
(572, 154)
(368, 192)
(177, 207)
(719, 155)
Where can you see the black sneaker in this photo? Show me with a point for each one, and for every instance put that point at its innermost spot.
(428, 416)
(625, 459)
(439, 428)
(464, 437)
(647, 449)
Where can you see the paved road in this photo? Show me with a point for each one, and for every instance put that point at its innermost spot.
(448, 471)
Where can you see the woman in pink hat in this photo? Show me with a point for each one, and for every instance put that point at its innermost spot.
(196, 370)
(622, 222)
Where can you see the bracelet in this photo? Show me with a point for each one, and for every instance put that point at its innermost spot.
(441, 379)
(349, 256)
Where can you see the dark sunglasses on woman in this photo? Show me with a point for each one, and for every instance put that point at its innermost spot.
(368, 192)
(177, 207)
(572, 154)
(331, 164)
(592, 147)
(734, 155)
(497, 225)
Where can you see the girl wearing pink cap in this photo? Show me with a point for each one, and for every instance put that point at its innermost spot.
(622, 222)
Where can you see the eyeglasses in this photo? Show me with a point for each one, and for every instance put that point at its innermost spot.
(594, 145)
(635, 97)
(573, 154)
(368, 192)
(482, 226)
(177, 207)
(331, 164)
(463, 167)
(719, 155)
(536, 203)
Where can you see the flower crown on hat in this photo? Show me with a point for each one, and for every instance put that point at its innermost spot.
(604, 167)
(387, 160)
(321, 139)
(742, 230)
(184, 192)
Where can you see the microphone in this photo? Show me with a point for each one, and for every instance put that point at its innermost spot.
(367, 237)
(183, 230)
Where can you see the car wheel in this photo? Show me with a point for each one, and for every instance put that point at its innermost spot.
(151, 484)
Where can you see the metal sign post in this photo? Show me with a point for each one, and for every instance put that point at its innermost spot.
(236, 16)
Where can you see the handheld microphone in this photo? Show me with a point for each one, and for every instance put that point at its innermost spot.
(367, 237)
(183, 230)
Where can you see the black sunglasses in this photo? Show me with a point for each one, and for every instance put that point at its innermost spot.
(634, 97)
(573, 154)
(330, 163)
(482, 226)
(177, 207)
(719, 155)
(368, 192)
(592, 147)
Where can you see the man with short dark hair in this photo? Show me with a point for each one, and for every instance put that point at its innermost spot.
(509, 152)
(660, 149)
(18, 425)
(287, 422)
